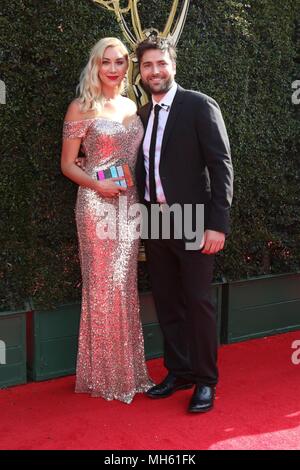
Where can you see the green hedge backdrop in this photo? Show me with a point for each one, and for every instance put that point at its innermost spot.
(244, 54)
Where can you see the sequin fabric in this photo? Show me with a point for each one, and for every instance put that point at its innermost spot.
(110, 362)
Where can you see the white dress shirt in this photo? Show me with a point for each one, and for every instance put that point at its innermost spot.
(165, 103)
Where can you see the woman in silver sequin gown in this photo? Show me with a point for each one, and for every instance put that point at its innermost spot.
(110, 362)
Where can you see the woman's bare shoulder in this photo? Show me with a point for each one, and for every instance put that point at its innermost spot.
(74, 112)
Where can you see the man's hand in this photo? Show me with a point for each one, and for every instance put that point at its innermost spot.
(212, 242)
(80, 161)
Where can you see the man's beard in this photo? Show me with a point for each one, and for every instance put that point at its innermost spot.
(164, 88)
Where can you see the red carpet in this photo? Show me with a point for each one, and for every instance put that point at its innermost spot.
(257, 407)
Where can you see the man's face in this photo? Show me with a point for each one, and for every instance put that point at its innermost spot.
(157, 71)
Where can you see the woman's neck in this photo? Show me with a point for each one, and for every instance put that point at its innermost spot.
(111, 94)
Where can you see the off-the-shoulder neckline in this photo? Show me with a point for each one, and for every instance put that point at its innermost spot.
(104, 119)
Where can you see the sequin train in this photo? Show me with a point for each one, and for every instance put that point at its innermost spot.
(110, 362)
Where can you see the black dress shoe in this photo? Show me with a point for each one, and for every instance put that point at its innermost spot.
(168, 386)
(202, 399)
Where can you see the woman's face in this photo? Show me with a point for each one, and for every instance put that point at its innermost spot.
(113, 67)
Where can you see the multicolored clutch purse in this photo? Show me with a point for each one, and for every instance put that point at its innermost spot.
(115, 172)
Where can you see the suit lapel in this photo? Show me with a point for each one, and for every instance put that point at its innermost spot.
(144, 113)
(174, 111)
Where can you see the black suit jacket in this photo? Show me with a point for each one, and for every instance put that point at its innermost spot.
(195, 163)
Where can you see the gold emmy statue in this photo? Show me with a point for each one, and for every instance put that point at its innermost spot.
(172, 30)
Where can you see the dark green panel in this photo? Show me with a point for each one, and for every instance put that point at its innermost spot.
(62, 321)
(13, 348)
(262, 307)
(16, 355)
(264, 320)
(11, 330)
(57, 358)
(53, 342)
(12, 374)
(265, 290)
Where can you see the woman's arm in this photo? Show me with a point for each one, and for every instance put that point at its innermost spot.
(70, 150)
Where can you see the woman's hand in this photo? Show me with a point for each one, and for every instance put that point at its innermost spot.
(108, 187)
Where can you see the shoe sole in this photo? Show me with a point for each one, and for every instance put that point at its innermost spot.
(182, 387)
(204, 410)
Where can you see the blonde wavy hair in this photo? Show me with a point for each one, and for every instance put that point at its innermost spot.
(89, 88)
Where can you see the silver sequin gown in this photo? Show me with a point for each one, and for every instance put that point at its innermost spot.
(110, 362)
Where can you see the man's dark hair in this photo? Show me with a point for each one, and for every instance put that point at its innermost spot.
(156, 42)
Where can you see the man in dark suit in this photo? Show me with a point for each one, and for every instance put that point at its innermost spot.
(184, 159)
